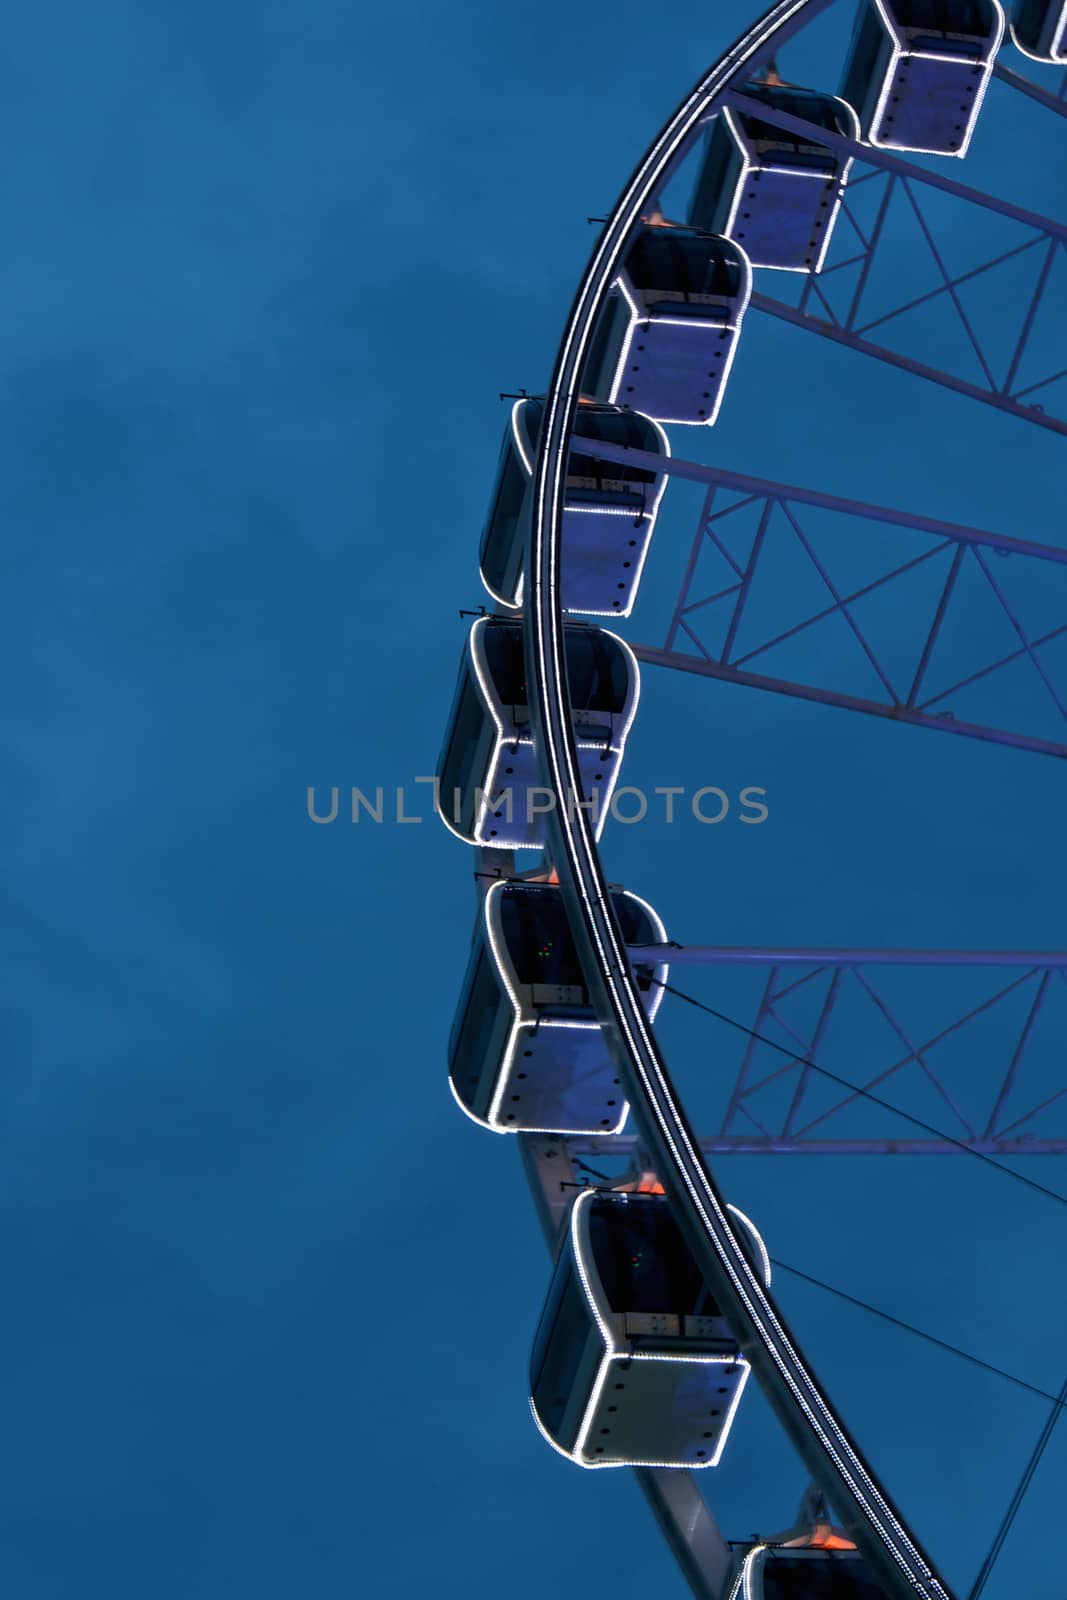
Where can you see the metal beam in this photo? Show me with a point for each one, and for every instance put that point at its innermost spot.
(745, 483)
(1016, 80)
(921, 369)
(841, 956)
(942, 723)
(962, 541)
(691, 1531)
(552, 1179)
(751, 1145)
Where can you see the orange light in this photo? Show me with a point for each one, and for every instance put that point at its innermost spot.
(647, 1183)
(773, 78)
(822, 1537)
(656, 219)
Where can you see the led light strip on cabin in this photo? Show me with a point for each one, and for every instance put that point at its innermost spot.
(743, 1587)
(733, 326)
(729, 114)
(521, 1021)
(752, 1564)
(899, 50)
(614, 1353)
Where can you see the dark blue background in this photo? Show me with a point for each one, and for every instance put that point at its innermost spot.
(268, 1298)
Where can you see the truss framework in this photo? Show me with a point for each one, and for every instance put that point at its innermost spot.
(861, 319)
(812, 998)
(913, 672)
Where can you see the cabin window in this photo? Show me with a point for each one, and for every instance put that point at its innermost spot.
(643, 1261)
(468, 726)
(1029, 19)
(596, 668)
(604, 347)
(596, 672)
(506, 663)
(472, 1033)
(559, 1347)
(868, 42)
(539, 939)
(823, 1578)
(634, 920)
(668, 261)
(498, 555)
(616, 427)
(719, 167)
(636, 927)
(819, 109)
(945, 16)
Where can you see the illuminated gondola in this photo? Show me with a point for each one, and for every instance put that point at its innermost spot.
(527, 1053)
(489, 783)
(776, 1573)
(666, 338)
(774, 192)
(1039, 29)
(634, 1364)
(609, 510)
(917, 71)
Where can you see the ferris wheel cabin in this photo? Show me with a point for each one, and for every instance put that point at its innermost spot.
(917, 71)
(1039, 29)
(767, 1573)
(527, 1053)
(774, 192)
(609, 510)
(489, 783)
(666, 338)
(633, 1363)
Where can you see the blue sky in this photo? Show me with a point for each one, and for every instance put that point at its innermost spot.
(269, 1297)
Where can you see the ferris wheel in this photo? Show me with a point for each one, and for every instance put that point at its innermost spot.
(760, 196)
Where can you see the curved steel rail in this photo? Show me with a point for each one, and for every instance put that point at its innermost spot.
(791, 1387)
